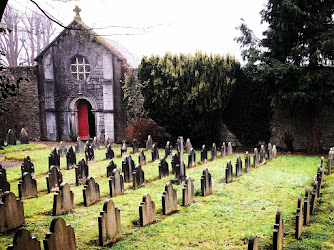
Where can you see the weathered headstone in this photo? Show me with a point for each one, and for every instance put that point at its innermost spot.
(247, 162)
(213, 152)
(307, 207)
(2, 141)
(253, 243)
(62, 149)
(238, 167)
(128, 166)
(27, 186)
(299, 218)
(89, 152)
(262, 155)
(81, 172)
(149, 143)
(155, 153)
(107, 142)
(135, 146)
(96, 144)
(169, 199)
(4, 184)
(330, 161)
(228, 172)
(11, 139)
(319, 178)
(53, 179)
(116, 183)
(206, 183)
(223, 150)
(71, 159)
(192, 158)
(168, 149)
(91, 192)
(229, 148)
(111, 166)
(175, 161)
(188, 146)
(204, 155)
(274, 151)
(322, 159)
(138, 177)
(256, 158)
(27, 166)
(163, 168)
(24, 139)
(63, 200)
(60, 237)
(109, 152)
(270, 152)
(278, 232)
(11, 212)
(109, 223)
(146, 210)
(188, 192)
(180, 169)
(314, 196)
(54, 158)
(123, 149)
(142, 158)
(79, 146)
(23, 240)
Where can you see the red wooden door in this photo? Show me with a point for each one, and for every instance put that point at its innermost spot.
(83, 119)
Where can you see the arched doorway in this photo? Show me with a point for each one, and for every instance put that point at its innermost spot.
(86, 119)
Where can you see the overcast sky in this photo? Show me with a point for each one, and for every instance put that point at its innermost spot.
(155, 27)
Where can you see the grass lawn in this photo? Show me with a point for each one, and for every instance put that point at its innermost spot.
(223, 220)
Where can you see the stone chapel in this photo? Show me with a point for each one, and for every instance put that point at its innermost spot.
(80, 76)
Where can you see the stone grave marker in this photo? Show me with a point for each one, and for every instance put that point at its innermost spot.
(299, 218)
(253, 243)
(62, 149)
(206, 183)
(138, 177)
(4, 184)
(107, 142)
(81, 172)
(274, 151)
(53, 179)
(168, 149)
(238, 167)
(27, 186)
(60, 237)
(314, 196)
(278, 232)
(11, 212)
(307, 207)
(223, 150)
(256, 158)
(128, 166)
(2, 141)
(228, 172)
(91, 192)
(262, 155)
(155, 153)
(89, 152)
(27, 166)
(96, 144)
(204, 155)
(213, 152)
(149, 143)
(180, 169)
(71, 159)
(247, 162)
(63, 200)
(135, 146)
(270, 151)
(175, 160)
(54, 158)
(229, 148)
(79, 146)
(169, 199)
(11, 139)
(109, 223)
(24, 139)
(188, 146)
(192, 158)
(146, 210)
(188, 192)
(163, 168)
(319, 178)
(123, 149)
(322, 161)
(111, 166)
(116, 183)
(23, 240)
(142, 158)
(109, 152)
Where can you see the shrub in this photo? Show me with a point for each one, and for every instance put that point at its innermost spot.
(139, 128)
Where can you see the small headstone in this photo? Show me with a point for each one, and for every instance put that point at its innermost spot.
(109, 153)
(54, 158)
(319, 178)
(180, 169)
(168, 149)
(229, 148)
(278, 232)
(96, 144)
(256, 158)
(27, 186)
(187, 192)
(204, 155)
(223, 150)
(274, 151)
(228, 172)
(79, 146)
(23, 240)
(11, 139)
(299, 218)
(111, 166)
(91, 192)
(4, 184)
(123, 149)
(71, 159)
(135, 146)
(322, 159)
(128, 166)
(138, 177)
(60, 237)
(155, 153)
(27, 166)
(192, 158)
(169, 199)
(89, 152)
(188, 146)
(163, 168)
(62, 149)
(175, 161)
(238, 167)
(213, 152)
(206, 184)
(109, 223)
(146, 210)
(314, 197)
(81, 172)
(116, 183)
(142, 158)
(253, 243)
(63, 200)
(247, 162)
(329, 166)
(307, 207)
(262, 155)
(107, 142)
(149, 143)
(53, 179)
(270, 152)
(2, 141)
(24, 137)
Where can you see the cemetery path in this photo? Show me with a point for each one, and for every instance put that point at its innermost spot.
(8, 164)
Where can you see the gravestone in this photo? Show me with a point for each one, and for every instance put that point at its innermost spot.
(109, 152)
(330, 161)
(274, 151)
(262, 155)
(204, 155)
(307, 207)
(213, 152)
(91, 192)
(54, 158)
(11, 212)
(2, 141)
(4, 184)
(188, 192)
(111, 166)
(188, 146)
(89, 152)
(23, 240)
(149, 143)
(229, 148)
(53, 179)
(299, 218)
(247, 162)
(256, 158)
(24, 139)
(138, 177)
(107, 142)
(169, 199)
(79, 146)
(228, 172)
(270, 152)
(11, 139)
(62, 149)
(175, 161)
(123, 149)
(135, 146)
(116, 183)
(146, 210)
(63, 200)
(278, 232)
(27, 186)
(180, 169)
(206, 183)
(81, 172)
(238, 167)
(314, 196)
(253, 243)
(223, 150)
(142, 158)
(319, 178)
(322, 161)
(27, 166)
(168, 149)
(192, 158)
(96, 144)
(163, 168)
(60, 237)
(128, 166)
(71, 159)
(109, 222)
(155, 153)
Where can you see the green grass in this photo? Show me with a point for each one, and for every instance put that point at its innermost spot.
(22, 147)
(223, 220)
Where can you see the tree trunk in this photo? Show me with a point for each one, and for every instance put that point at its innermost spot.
(314, 140)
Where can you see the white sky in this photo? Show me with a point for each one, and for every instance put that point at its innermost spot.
(179, 26)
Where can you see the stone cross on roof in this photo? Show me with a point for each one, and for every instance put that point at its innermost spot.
(77, 15)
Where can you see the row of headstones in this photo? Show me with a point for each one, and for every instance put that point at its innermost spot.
(11, 138)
